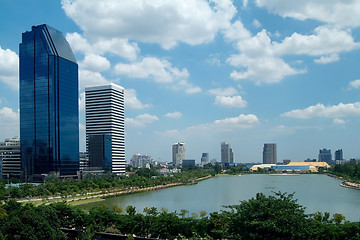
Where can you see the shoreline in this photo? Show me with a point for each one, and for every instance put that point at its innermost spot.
(346, 184)
(113, 193)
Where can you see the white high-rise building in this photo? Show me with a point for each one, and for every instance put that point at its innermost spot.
(105, 127)
(227, 154)
(178, 153)
(10, 157)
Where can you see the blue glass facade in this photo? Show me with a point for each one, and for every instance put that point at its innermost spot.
(49, 117)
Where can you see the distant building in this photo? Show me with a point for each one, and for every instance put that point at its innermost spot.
(178, 153)
(188, 162)
(339, 155)
(205, 158)
(269, 153)
(49, 108)
(84, 160)
(140, 161)
(10, 157)
(310, 160)
(105, 127)
(227, 154)
(325, 156)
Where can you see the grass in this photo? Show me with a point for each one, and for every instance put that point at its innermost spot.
(85, 201)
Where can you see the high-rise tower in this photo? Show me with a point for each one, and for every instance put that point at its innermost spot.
(49, 115)
(227, 154)
(178, 153)
(105, 128)
(269, 153)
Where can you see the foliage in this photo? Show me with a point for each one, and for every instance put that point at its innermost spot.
(264, 217)
(350, 170)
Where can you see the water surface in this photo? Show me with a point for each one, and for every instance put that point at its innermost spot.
(313, 191)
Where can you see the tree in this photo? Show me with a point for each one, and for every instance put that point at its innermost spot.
(130, 210)
(272, 217)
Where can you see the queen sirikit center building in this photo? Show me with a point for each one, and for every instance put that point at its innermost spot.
(49, 115)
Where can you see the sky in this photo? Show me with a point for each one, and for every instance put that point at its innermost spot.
(246, 72)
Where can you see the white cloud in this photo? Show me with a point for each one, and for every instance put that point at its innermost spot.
(319, 110)
(241, 121)
(118, 46)
(324, 41)
(256, 23)
(160, 71)
(95, 63)
(90, 78)
(339, 121)
(355, 84)
(237, 31)
(141, 120)
(9, 68)
(132, 102)
(343, 13)
(230, 91)
(234, 101)
(327, 59)
(82, 101)
(163, 22)
(9, 126)
(174, 115)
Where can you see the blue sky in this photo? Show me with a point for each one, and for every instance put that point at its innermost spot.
(202, 72)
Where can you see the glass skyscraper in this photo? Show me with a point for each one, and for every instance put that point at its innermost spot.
(49, 115)
(270, 153)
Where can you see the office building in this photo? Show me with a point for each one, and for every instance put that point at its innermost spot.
(339, 155)
(140, 161)
(10, 157)
(105, 127)
(188, 163)
(269, 153)
(49, 117)
(325, 156)
(205, 158)
(227, 154)
(178, 153)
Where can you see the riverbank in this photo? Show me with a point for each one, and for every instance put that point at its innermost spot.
(345, 183)
(96, 196)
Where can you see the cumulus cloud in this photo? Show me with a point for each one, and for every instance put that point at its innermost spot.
(324, 41)
(233, 101)
(132, 102)
(242, 121)
(174, 115)
(327, 59)
(160, 71)
(354, 84)
(259, 62)
(9, 126)
(90, 78)
(319, 110)
(9, 68)
(95, 63)
(141, 120)
(237, 31)
(329, 11)
(163, 22)
(118, 46)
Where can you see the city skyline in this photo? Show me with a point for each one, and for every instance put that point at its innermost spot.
(244, 72)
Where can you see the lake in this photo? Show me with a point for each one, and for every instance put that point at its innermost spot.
(314, 191)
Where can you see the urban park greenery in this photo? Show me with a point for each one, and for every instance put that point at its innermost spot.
(278, 216)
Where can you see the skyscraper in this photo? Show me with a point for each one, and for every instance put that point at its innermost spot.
(178, 153)
(227, 154)
(269, 153)
(339, 155)
(49, 115)
(325, 156)
(105, 127)
(205, 158)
